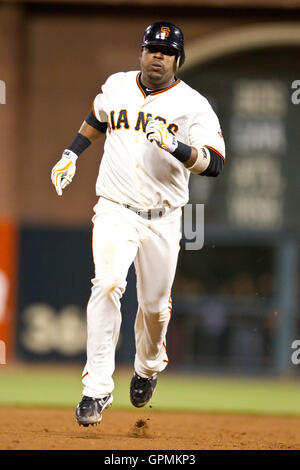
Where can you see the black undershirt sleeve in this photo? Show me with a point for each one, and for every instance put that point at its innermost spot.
(93, 121)
(215, 165)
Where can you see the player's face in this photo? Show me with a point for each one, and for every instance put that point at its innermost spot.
(158, 64)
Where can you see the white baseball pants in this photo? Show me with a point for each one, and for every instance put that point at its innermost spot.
(121, 237)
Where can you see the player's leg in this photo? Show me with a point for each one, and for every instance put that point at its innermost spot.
(155, 265)
(114, 249)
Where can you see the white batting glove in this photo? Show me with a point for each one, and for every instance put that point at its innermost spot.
(64, 170)
(158, 131)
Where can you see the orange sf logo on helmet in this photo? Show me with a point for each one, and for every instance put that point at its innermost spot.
(165, 30)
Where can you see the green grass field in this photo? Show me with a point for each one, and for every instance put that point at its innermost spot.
(60, 386)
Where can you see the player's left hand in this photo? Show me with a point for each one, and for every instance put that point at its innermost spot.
(64, 170)
(158, 131)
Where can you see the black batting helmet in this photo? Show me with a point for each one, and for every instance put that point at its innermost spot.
(165, 34)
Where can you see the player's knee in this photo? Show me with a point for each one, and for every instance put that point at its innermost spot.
(109, 285)
(160, 307)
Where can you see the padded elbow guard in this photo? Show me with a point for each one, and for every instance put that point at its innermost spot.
(202, 162)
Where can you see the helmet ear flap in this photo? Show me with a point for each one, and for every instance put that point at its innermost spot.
(180, 60)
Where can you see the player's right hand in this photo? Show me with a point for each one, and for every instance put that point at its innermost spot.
(62, 173)
(157, 131)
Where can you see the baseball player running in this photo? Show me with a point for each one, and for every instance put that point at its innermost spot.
(158, 131)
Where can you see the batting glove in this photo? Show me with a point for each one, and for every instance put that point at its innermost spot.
(64, 170)
(157, 131)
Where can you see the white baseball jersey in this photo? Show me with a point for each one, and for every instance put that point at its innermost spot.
(135, 171)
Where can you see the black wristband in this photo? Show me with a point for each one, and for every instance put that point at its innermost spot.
(79, 144)
(93, 121)
(183, 152)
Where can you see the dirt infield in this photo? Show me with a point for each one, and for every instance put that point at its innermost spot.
(47, 429)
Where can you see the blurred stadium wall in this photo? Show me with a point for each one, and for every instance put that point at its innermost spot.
(236, 301)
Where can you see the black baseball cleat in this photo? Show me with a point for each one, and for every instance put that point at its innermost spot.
(89, 410)
(141, 389)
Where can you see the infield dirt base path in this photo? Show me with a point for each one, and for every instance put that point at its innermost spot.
(56, 429)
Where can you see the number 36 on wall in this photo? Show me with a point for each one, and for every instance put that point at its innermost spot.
(47, 331)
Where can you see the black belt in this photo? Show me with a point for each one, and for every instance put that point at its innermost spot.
(149, 214)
